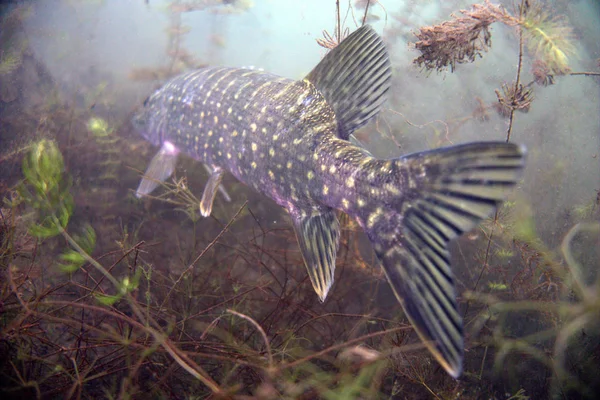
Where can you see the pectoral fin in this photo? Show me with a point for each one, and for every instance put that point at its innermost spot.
(210, 191)
(318, 234)
(160, 169)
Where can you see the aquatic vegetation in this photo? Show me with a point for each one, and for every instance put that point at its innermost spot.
(549, 39)
(464, 38)
(585, 211)
(180, 195)
(13, 48)
(513, 98)
(98, 127)
(330, 42)
(459, 40)
(562, 321)
(180, 59)
(12, 45)
(340, 32)
(46, 189)
(504, 253)
(176, 308)
(108, 147)
(10, 60)
(541, 73)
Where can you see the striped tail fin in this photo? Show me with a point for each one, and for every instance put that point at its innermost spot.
(450, 191)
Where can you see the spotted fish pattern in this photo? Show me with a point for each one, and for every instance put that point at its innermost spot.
(292, 140)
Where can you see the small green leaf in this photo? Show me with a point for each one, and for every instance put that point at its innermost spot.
(73, 261)
(497, 286)
(107, 300)
(87, 240)
(72, 257)
(128, 285)
(68, 268)
(524, 229)
(43, 231)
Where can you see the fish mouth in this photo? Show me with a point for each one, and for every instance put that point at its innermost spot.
(138, 122)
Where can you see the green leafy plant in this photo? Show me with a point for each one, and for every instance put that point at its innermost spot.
(576, 312)
(46, 189)
(71, 259)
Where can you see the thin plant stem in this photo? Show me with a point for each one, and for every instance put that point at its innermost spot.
(519, 67)
(345, 344)
(210, 245)
(339, 23)
(366, 12)
(258, 328)
(181, 358)
(585, 73)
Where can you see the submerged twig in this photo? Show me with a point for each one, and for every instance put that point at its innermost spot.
(366, 12)
(202, 253)
(258, 328)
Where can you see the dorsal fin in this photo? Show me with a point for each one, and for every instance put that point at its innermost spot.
(354, 78)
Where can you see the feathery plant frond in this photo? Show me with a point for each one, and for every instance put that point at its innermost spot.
(549, 39)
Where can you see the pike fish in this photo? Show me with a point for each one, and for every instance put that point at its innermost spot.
(293, 141)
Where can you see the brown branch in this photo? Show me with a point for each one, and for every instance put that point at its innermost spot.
(585, 73)
(366, 12)
(210, 245)
(518, 79)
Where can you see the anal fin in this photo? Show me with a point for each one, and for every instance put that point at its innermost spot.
(318, 234)
(160, 169)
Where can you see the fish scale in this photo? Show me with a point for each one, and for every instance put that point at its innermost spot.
(293, 141)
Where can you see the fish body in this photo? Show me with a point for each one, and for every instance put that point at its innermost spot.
(292, 141)
(271, 140)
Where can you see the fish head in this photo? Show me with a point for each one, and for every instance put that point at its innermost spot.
(150, 119)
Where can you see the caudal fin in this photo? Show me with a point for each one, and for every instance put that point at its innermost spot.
(450, 191)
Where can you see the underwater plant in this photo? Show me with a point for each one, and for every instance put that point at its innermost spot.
(549, 39)
(12, 45)
(202, 310)
(457, 41)
(108, 147)
(46, 189)
(464, 38)
(568, 322)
